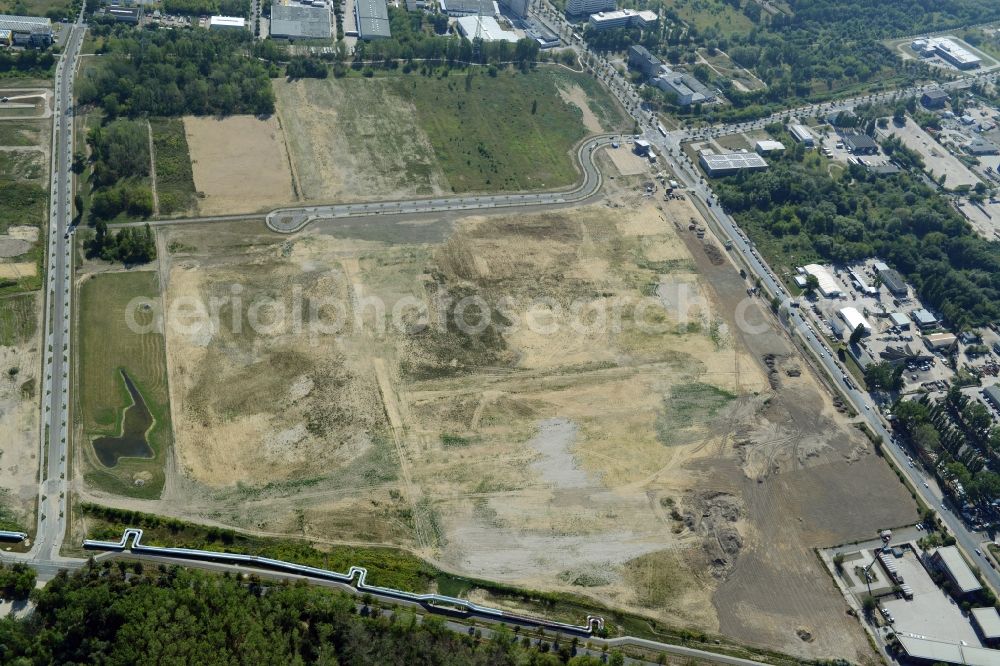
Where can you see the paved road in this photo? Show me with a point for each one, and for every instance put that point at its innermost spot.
(292, 219)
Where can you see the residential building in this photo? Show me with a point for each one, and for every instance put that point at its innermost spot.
(644, 61)
(802, 134)
(725, 164)
(860, 144)
(488, 29)
(584, 7)
(372, 19)
(235, 23)
(299, 22)
(934, 99)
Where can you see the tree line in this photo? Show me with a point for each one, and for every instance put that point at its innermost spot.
(127, 613)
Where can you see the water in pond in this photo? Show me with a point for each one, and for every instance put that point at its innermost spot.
(132, 442)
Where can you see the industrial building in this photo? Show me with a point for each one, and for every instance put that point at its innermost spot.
(860, 144)
(924, 318)
(26, 30)
(582, 7)
(900, 320)
(992, 394)
(923, 650)
(934, 99)
(828, 287)
(766, 146)
(947, 50)
(372, 19)
(623, 18)
(298, 22)
(852, 318)
(469, 8)
(235, 23)
(953, 565)
(802, 134)
(725, 164)
(489, 29)
(894, 282)
(518, 8)
(540, 33)
(987, 623)
(124, 14)
(642, 60)
(981, 146)
(687, 89)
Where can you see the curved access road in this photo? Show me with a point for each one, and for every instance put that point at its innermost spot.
(293, 219)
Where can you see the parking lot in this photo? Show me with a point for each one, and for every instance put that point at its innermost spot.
(937, 159)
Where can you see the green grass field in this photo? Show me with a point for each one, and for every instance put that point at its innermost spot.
(174, 178)
(509, 132)
(27, 133)
(36, 7)
(106, 344)
(22, 195)
(17, 319)
(705, 14)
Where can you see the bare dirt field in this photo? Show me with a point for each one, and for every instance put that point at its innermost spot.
(356, 139)
(937, 159)
(19, 365)
(240, 164)
(628, 163)
(560, 400)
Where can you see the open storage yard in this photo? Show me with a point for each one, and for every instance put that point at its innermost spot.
(648, 465)
(937, 159)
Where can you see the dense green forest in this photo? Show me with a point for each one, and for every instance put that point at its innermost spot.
(797, 212)
(29, 62)
(119, 158)
(176, 72)
(125, 613)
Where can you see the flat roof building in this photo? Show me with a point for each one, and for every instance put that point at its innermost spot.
(802, 134)
(581, 7)
(935, 341)
(489, 29)
(766, 146)
(372, 19)
(644, 61)
(828, 287)
(227, 23)
(900, 320)
(298, 22)
(934, 99)
(518, 8)
(852, 318)
(949, 51)
(540, 33)
(30, 24)
(622, 18)
(894, 282)
(924, 650)
(687, 89)
(860, 144)
(725, 164)
(951, 562)
(924, 318)
(469, 7)
(981, 146)
(987, 623)
(992, 394)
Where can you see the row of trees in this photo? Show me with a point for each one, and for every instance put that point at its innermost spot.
(812, 216)
(131, 245)
(177, 72)
(125, 613)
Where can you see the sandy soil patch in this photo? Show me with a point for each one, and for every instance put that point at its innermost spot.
(240, 164)
(356, 139)
(577, 97)
(628, 163)
(18, 270)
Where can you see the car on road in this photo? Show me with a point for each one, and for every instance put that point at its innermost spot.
(926, 485)
(979, 553)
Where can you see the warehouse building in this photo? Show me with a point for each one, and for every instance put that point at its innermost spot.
(298, 22)
(894, 282)
(233, 23)
(828, 287)
(981, 146)
(802, 134)
(947, 50)
(919, 649)
(924, 318)
(583, 7)
(26, 30)
(623, 18)
(642, 60)
(900, 321)
(725, 164)
(765, 146)
(469, 7)
(687, 89)
(934, 99)
(372, 19)
(489, 29)
(860, 144)
(953, 565)
(987, 623)
(852, 318)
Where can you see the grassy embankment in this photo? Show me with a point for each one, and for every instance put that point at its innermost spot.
(174, 178)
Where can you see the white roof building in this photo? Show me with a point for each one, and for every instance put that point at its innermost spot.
(930, 650)
(853, 319)
(802, 134)
(988, 621)
(768, 146)
(227, 23)
(958, 571)
(490, 30)
(827, 285)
